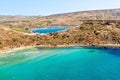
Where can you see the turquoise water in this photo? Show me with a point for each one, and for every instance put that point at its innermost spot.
(49, 30)
(75, 63)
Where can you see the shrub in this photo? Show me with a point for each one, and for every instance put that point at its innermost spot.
(82, 27)
(14, 39)
(0, 42)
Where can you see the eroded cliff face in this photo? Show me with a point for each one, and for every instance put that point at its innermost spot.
(84, 34)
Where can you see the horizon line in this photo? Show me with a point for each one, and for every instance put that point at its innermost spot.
(35, 15)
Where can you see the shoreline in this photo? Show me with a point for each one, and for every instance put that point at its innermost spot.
(4, 51)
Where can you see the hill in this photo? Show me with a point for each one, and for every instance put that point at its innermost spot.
(86, 34)
(7, 18)
(69, 19)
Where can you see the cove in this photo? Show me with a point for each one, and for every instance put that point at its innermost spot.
(73, 63)
(49, 30)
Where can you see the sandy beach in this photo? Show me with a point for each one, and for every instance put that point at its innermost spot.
(60, 46)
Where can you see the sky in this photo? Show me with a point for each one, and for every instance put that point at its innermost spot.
(48, 7)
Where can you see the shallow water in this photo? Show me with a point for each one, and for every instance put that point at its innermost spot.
(49, 30)
(75, 63)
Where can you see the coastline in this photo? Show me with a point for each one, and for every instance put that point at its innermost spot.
(83, 35)
(4, 51)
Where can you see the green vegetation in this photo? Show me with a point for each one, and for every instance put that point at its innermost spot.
(20, 29)
(82, 27)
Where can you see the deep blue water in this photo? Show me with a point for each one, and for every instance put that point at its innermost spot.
(49, 30)
(75, 63)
